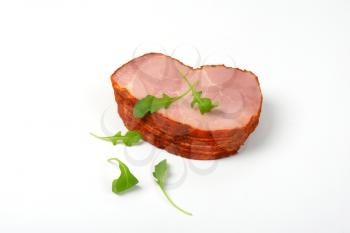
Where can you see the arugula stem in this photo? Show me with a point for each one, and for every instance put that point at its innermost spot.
(99, 137)
(186, 92)
(107, 138)
(187, 81)
(190, 85)
(113, 159)
(182, 95)
(173, 204)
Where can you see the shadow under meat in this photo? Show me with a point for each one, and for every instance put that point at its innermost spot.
(263, 133)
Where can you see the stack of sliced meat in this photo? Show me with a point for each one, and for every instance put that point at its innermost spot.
(180, 129)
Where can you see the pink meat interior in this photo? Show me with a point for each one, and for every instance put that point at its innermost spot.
(237, 92)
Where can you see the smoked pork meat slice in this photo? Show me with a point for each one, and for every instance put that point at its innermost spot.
(180, 129)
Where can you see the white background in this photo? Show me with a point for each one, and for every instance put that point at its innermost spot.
(56, 57)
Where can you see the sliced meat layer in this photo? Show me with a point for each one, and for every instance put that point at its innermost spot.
(181, 129)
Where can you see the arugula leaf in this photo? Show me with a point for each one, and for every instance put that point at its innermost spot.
(143, 106)
(204, 104)
(160, 174)
(129, 139)
(125, 181)
(151, 104)
(163, 102)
